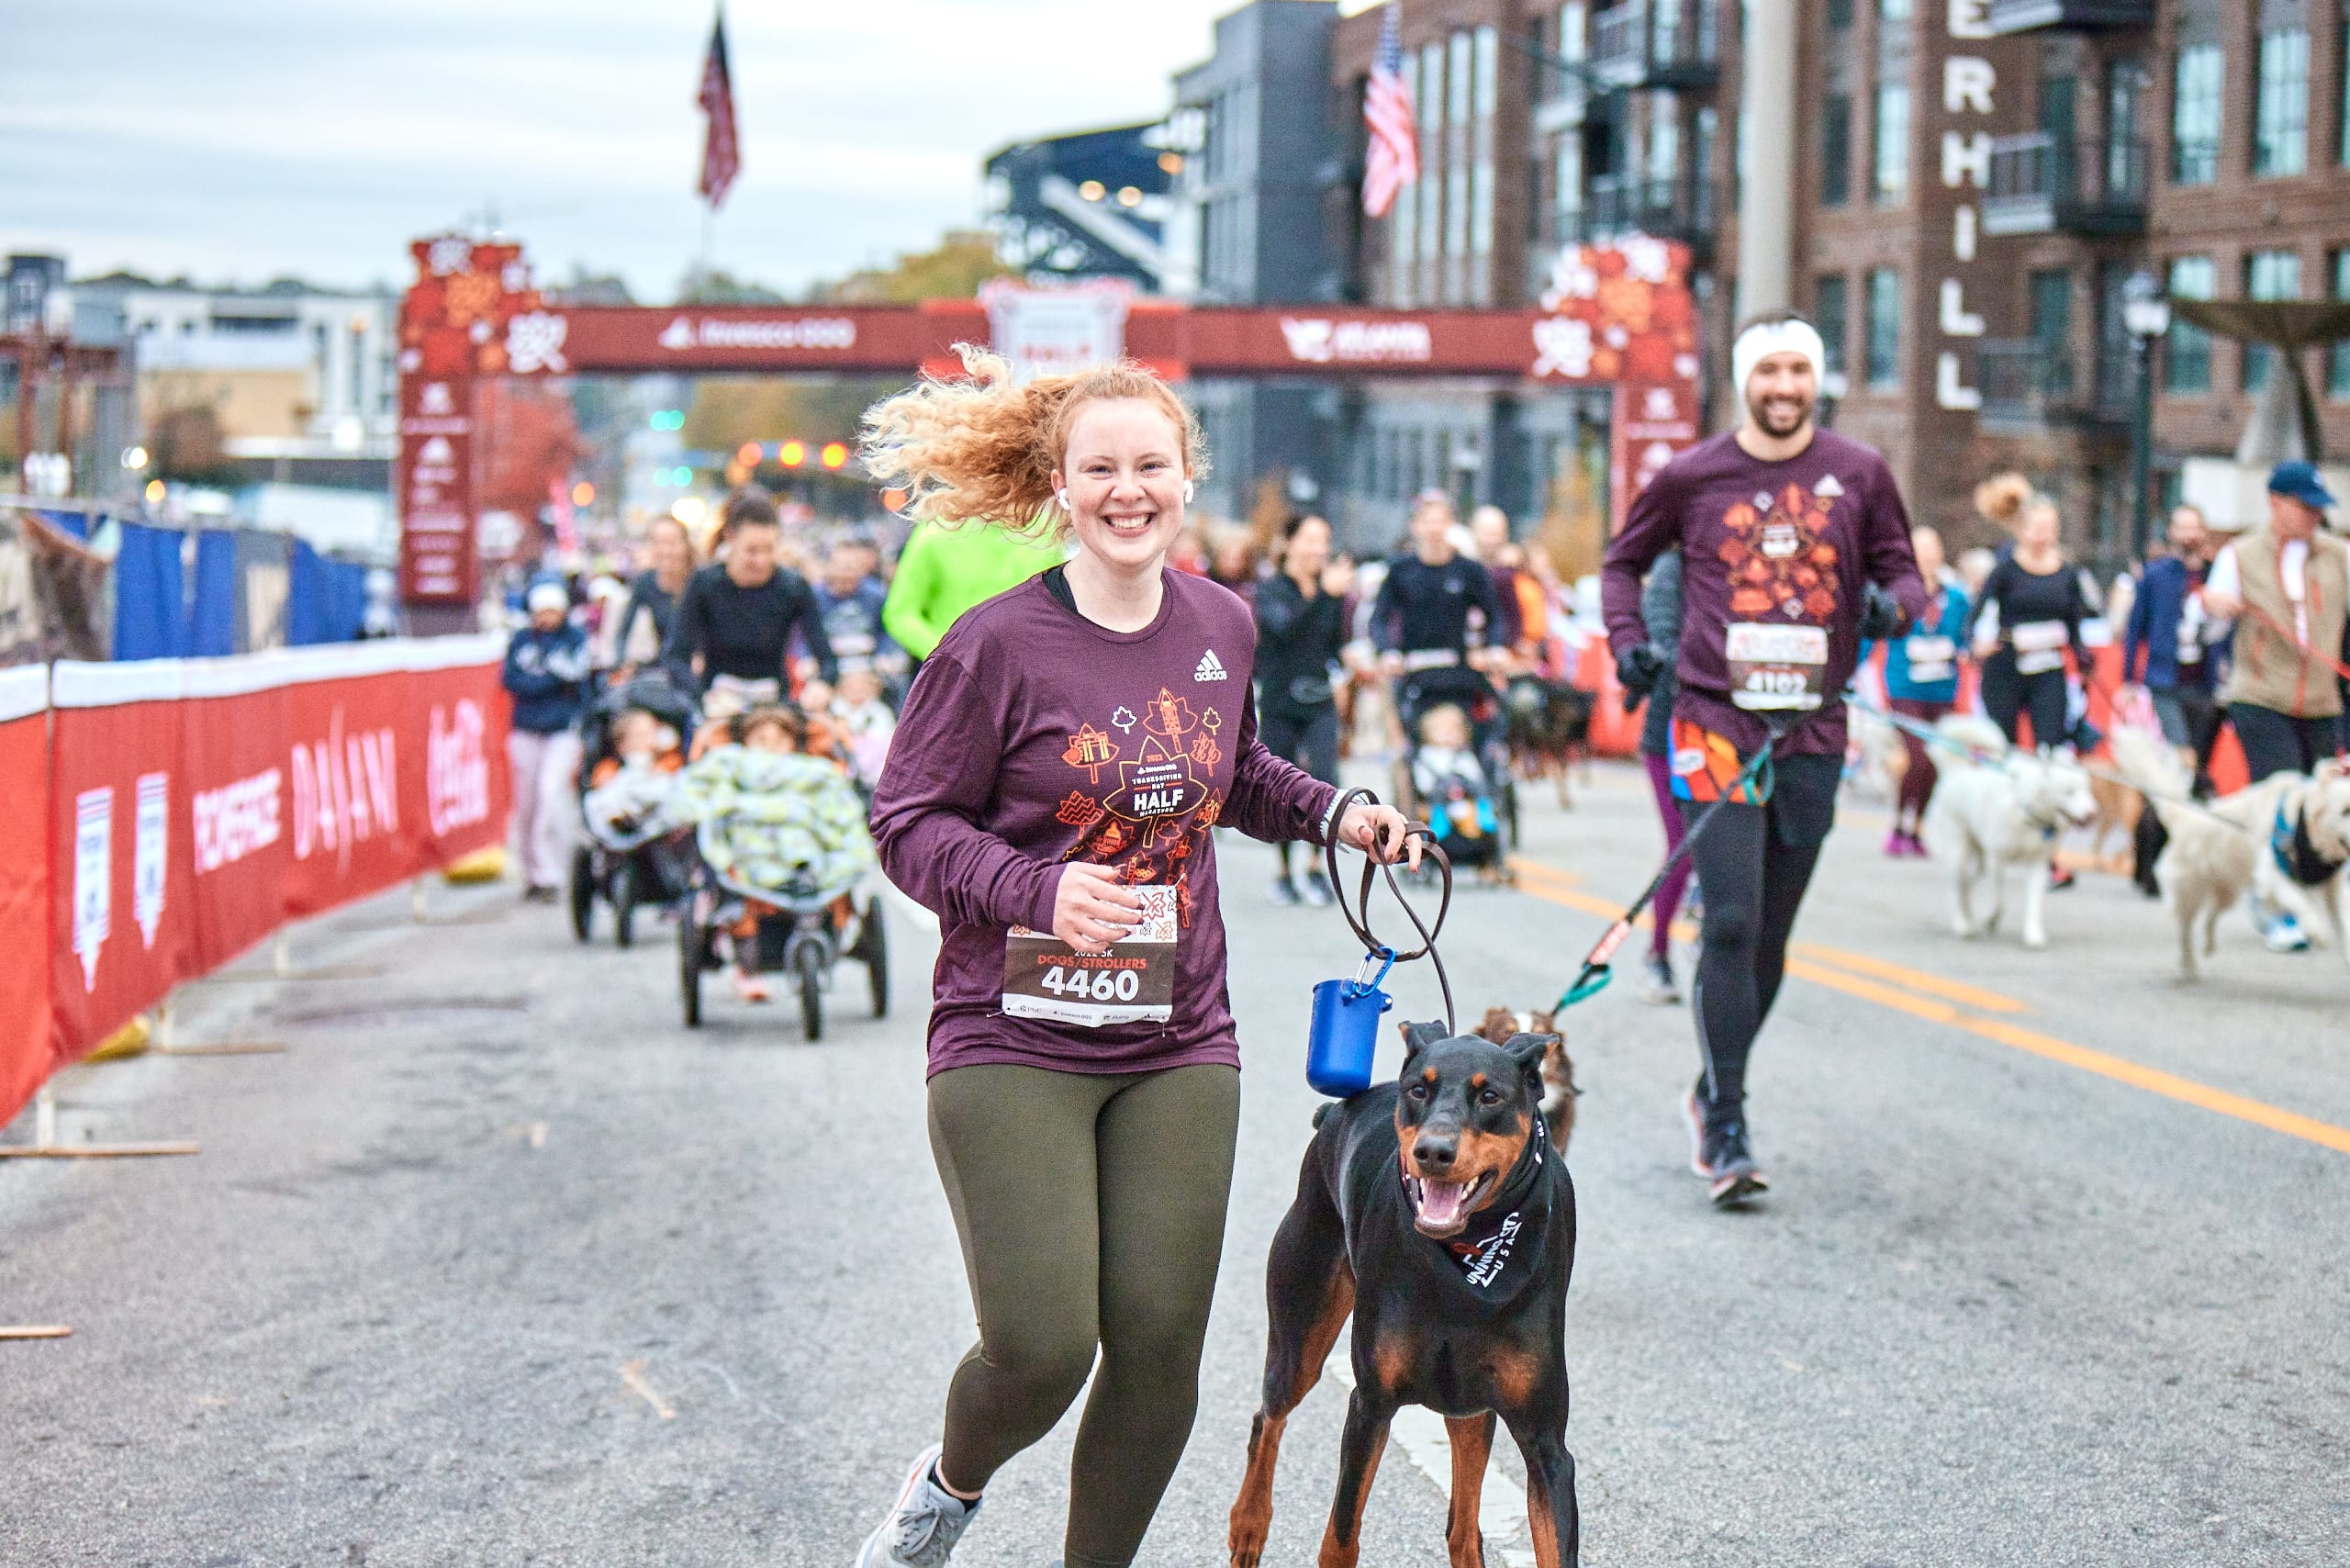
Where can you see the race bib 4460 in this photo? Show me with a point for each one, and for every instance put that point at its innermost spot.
(1133, 983)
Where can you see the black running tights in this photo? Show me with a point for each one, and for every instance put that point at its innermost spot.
(1754, 863)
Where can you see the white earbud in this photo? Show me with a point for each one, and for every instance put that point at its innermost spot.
(1061, 496)
(1188, 490)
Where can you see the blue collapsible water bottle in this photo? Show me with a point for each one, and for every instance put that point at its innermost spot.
(1344, 1034)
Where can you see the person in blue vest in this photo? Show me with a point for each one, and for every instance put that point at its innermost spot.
(547, 673)
(1921, 683)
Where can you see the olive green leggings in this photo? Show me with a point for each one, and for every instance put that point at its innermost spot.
(1091, 1209)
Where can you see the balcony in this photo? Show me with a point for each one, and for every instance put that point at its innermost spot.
(2042, 186)
(1617, 205)
(1565, 100)
(1667, 44)
(2069, 16)
(2028, 384)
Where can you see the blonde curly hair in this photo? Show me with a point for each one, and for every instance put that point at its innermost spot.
(2002, 497)
(984, 450)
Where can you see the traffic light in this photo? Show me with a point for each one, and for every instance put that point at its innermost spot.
(833, 454)
(669, 419)
(792, 454)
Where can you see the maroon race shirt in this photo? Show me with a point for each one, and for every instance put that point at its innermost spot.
(1764, 545)
(1033, 737)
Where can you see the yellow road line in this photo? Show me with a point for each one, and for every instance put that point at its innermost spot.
(1916, 980)
(2151, 1079)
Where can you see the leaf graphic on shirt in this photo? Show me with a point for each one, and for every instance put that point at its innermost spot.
(1079, 810)
(1125, 718)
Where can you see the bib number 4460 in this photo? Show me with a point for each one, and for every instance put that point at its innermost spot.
(1099, 985)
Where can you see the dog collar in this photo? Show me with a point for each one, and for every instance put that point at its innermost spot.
(2296, 857)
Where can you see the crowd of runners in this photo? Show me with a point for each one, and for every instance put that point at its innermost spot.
(1061, 686)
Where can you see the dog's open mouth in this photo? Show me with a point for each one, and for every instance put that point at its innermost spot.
(1441, 1208)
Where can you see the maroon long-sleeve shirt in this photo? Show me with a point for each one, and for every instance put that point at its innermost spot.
(1791, 543)
(1033, 737)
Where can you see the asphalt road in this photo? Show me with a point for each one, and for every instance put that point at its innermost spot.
(499, 1264)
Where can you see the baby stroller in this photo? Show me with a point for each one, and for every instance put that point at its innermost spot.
(791, 912)
(638, 857)
(1486, 745)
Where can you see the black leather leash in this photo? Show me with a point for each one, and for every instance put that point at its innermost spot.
(1357, 914)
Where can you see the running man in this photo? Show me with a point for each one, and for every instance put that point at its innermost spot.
(1421, 623)
(1794, 547)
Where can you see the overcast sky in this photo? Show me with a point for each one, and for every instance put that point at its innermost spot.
(243, 139)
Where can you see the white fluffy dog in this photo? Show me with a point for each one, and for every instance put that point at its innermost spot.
(2285, 839)
(1998, 807)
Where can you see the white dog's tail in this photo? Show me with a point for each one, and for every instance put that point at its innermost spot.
(2147, 761)
(1975, 734)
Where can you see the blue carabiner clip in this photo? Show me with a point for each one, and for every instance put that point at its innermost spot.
(1358, 986)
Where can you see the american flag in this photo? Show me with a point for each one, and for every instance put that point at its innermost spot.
(720, 160)
(1394, 158)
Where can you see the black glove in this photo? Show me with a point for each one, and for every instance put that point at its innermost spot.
(1637, 670)
(1880, 614)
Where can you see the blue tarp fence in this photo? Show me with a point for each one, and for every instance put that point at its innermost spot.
(248, 590)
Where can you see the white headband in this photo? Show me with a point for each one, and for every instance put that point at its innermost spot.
(1764, 338)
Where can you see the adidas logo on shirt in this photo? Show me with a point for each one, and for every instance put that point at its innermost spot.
(1210, 667)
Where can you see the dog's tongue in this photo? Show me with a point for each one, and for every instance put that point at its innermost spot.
(1440, 1201)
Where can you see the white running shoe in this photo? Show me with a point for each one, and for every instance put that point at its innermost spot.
(924, 1524)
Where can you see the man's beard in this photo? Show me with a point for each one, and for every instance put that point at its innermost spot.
(1762, 410)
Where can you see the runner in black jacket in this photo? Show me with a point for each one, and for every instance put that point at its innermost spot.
(736, 617)
(1301, 628)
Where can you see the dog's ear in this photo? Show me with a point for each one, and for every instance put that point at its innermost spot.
(1418, 1037)
(1527, 1051)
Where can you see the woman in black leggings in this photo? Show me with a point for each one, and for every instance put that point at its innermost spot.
(2028, 612)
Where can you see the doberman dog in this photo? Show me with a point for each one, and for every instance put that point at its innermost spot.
(1436, 1210)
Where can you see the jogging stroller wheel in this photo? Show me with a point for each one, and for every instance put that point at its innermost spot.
(583, 892)
(624, 903)
(690, 954)
(808, 962)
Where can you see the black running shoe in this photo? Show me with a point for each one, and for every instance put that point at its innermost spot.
(1286, 893)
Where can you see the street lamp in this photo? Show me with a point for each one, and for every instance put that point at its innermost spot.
(2145, 314)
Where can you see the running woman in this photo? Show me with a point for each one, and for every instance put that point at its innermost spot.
(1301, 633)
(2029, 613)
(1052, 790)
(733, 623)
(1921, 683)
(1795, 546)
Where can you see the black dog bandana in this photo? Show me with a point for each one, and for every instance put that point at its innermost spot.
(1481, 1252)
(2296, 855)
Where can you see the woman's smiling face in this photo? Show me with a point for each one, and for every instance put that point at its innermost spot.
(1121, 481)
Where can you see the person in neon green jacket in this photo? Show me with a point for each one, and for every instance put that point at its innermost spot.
(944, 571)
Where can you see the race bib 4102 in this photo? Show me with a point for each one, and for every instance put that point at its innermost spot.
(1776, 667)
(1133, 983)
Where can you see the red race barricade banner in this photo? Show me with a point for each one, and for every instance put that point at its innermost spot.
(24, 883)
(196, 805)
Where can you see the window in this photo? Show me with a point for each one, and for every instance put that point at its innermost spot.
(1457, 175)
(2051, 295)
(1894, 10)
(1664, 165)
(1701, 166)
(1884, 329)
(2281, 126)
(2267, 274)
(1836, 149)
(2186, 352)
(1569, 185)
(1892, 144)
(1431, 200)
(1481, 199)
(2195, 116)
(1832, 316)
(2337, 358)
(1403, 223)
(1840, 13)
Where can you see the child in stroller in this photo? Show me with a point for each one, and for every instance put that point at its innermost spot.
(776, 828)
(1454, 794)
(633, 745)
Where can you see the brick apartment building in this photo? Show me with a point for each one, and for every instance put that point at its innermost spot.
(1976, 181)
